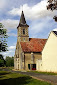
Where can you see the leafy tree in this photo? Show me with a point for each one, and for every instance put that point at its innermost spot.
(3, 37)
(9, 61)
(2, 61)
(52, 6)
(12, 61)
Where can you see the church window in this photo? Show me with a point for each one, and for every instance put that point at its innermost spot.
(23, 31)
(23, 59)
(18, 66)
(32, 57)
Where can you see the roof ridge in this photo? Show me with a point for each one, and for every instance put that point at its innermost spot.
(38, 38)
(55, 32)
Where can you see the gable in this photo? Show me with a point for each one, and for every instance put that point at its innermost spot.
(51, 43)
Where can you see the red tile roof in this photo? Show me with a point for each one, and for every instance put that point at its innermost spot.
(34, 45)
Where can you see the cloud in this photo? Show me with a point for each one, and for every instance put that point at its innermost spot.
(12, 47)
(8, 53)
(2, 4)
(34, 12)
(41, 28)
(11, 51)
(10, 24)
(12, 34)
(55, 29)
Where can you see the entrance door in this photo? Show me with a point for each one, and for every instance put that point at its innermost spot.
(29, 66)
(33, 66)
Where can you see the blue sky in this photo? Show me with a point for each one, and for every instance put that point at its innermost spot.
(39, 19)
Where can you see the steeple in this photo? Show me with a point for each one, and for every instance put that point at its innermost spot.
(22, 29)
(22, 21)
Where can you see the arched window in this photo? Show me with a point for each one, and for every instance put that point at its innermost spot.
(23, 31)
(32, 57)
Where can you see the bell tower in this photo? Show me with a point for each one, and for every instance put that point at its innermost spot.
(22, 36)
(22, 30)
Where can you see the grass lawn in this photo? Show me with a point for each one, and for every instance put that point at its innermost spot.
(7, 78)
(47, 73)
(9, 68)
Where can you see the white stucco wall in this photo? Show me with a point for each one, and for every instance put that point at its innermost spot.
(38, 64)
(49, 54)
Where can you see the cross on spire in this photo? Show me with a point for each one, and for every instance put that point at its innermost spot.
(22, 7)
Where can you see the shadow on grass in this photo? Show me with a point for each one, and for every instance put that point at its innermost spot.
(4, 73)
(2, 76)
(16, 81)
(1, 69)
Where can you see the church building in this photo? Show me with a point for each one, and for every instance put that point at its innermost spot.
(28, 50)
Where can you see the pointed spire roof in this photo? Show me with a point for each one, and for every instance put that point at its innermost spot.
(22, 21)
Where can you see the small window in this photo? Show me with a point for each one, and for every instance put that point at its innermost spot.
(22, 58)
(32, 57)
(23, 39)
(23, 31)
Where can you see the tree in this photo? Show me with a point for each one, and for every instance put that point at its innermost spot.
(52, 5)
(2, 61)
(3, 37)
(9, 61)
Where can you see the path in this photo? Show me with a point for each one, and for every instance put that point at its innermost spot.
(49, 78)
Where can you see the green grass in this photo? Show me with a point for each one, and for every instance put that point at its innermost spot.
(47, 73)
(7, 78)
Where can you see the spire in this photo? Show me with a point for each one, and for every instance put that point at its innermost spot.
(22, 21)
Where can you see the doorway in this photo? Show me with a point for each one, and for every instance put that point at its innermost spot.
(32, 66)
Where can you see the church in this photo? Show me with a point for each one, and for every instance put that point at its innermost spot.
(35, 53)
(28, 50)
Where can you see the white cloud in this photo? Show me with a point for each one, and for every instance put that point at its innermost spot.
(8, 53)
(11, 51)
(34, 12)
(2, 4)
(12, 34)
(12, 47)
(10, 24)
(40, 28)
(55, 29)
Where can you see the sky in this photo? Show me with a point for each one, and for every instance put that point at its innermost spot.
(39, 19)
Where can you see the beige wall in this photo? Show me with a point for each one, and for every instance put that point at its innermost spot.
(20, 31)
(49, 54)
(21, 36)
(28, 59)
(24, 39)
(37, 56)
(18, 60)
